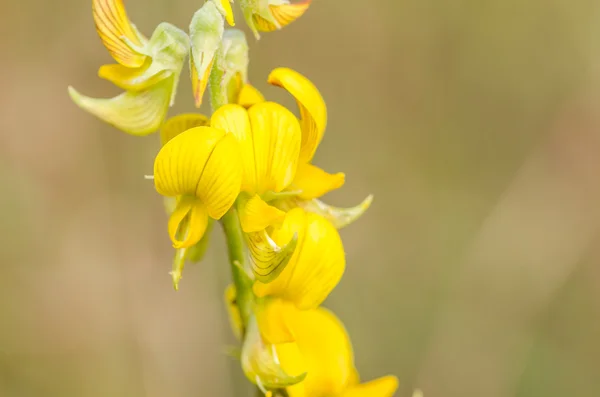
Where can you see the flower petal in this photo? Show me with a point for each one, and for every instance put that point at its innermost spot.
(180, 163)
(326, 348)
(188, 222)
(113, 26)
(206, 33)
(382, 387)
(339, 217)
(262, 24)
(137, 113)
(220, 182)
(132, 78)
(313, 111)
(256, 214)
(249, 96)
(196, 252)
(267, 258)
(262, 365)
(276, 137)
(180, 123)
(285, 14)
(313, 182)
(234, 119)
(316, 266)
(225, 8)
(273, 320)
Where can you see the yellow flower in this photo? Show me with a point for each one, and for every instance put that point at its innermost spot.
(316, 266)
(269, 140)
(201, 168)
(310, 182)
(297, 256)
(311, 345)
(326, 353)
(148, 70)
(270, 15)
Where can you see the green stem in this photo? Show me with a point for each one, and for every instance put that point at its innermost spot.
(236, 250)
(234, 236)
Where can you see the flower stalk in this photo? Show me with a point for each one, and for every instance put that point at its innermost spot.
(236, 253)
(250, 167)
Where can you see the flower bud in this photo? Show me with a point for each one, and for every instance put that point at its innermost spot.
(206, 32)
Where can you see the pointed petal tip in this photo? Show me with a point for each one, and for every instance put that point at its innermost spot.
(176, 277)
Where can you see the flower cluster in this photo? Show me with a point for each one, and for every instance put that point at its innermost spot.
(250, 166)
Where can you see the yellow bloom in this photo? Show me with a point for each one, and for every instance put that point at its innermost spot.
(310, 182)
(312, 345)
(201, 168)
(269, 140)
(326, 353)
(316, 266)
(147, 69)
(270, 15)
(170, 129)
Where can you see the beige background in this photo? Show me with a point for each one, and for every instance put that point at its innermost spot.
(476, 273)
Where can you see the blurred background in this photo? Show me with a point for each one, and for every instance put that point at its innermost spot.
(476, 272)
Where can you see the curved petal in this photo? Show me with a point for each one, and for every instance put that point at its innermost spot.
(327, 351)
(256, 214)
(225, 8)
(267, 258)
(137, 113)
(263, 366)
(313, 182)
(276, 137)
(382, 387)
(188, 222)
(313, 111)
(180, 123)
(316, 266)
(285, 14)
(196, 252)
(135, 79)
(179, 164)
(234, 119)
(339, 217)
(116, 32)
(249, 96)
(219, 184)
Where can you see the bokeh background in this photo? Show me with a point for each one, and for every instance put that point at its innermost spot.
(476, 124)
